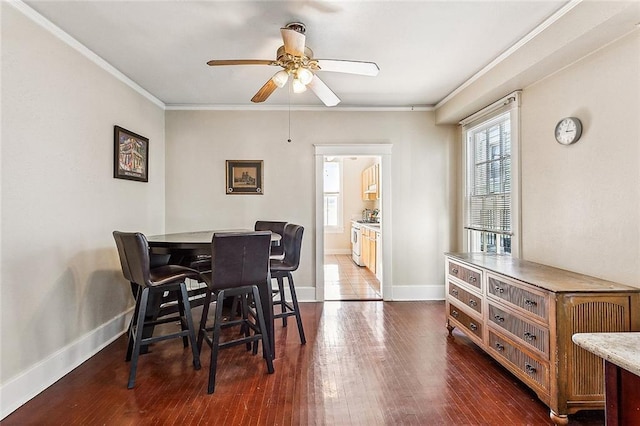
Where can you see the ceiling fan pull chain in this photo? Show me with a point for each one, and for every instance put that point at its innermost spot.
(289, 140)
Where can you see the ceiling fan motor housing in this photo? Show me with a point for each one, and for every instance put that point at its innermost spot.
(296, 26)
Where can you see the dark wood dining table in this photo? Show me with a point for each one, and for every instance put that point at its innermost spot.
(187, 245)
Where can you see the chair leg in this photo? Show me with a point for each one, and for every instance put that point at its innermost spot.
(215, 344)
(181, 312)
(132, 325)
(144, 297)
(266, 347)
(283, 304)
(296, 307)
(244, 328)
(202, 329)
(186, 307)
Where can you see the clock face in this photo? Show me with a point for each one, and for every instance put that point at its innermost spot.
(568, 130)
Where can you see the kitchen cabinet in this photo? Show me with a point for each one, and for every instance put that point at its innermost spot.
(371, 183)
(365, 247)
(369, 248)
(372, 251)
(524, 315)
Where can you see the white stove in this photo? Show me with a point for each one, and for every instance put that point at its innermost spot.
(356, 237)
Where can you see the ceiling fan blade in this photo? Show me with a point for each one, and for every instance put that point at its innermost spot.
(350, 67)
(323, 92)
(293, 41)
(264, 92)
(216, 62)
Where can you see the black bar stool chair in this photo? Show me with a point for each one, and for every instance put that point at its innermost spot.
(152, 283)
(282, 268)
(239, 263)
(277, 251)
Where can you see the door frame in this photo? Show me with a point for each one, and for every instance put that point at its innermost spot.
(354, 150)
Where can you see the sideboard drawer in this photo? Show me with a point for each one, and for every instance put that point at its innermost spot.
(513, 294)
(532, 335)
(469, 299)
(532, 369)
(471, 324)
(465, 274)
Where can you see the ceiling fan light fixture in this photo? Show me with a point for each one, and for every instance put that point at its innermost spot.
(304, 75)
(298, 86)
(280, 78)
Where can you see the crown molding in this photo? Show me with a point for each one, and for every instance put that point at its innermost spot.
(316, 108)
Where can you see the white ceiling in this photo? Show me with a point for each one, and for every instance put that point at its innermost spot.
(425, 49)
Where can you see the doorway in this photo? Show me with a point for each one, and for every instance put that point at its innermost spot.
(339, 274)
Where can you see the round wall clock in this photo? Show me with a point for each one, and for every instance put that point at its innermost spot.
(568, 130)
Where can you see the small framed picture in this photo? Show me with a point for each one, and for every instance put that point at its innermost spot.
(131, 155)
(244, 177)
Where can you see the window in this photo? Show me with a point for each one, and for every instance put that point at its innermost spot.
(491, 213)
(333, 195)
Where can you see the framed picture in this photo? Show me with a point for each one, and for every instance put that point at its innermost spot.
(131, 155)
(244, 177)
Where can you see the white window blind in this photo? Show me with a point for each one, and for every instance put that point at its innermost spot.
(489, 176)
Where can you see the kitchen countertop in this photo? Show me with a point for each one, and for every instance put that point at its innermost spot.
(621, 349)
(375, 226)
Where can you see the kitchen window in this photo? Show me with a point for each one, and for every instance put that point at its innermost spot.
(333, 195)
(491, 203)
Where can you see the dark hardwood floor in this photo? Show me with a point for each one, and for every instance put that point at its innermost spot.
(365, 363)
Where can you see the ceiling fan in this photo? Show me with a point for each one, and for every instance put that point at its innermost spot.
(297, 61)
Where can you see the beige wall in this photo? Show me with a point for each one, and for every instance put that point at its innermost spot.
(581, 203)
(61, 280)
(199, 142)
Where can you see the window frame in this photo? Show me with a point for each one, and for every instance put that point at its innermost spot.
(339, 228)
(509, 104)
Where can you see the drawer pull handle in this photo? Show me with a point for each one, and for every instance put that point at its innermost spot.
(454, 271)
(498, 318)
(529, 336)
(472, 279)
(473, 302)
(454, 314)
(530, 368)
(499, 347)
(530, 302)
(499, 289)
(454, 292)
(473, 327)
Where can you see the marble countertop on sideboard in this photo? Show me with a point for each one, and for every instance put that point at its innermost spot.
(621, 349)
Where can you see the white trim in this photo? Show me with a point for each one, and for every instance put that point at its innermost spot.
(418, 292)
(384, 152)
(82, 49)
(43, 374)
(319, 108)
(510, 51)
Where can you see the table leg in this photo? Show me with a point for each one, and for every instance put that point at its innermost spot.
(266, 300)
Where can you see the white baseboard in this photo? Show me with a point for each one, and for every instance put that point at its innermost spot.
(416, 292)
(30, 383)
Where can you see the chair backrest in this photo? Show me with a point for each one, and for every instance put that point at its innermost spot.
(239, 259)
(292, 242)
(135, 248)
(117, 235)
(278, 228)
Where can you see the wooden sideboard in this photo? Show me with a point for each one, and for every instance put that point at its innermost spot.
(524, 314)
